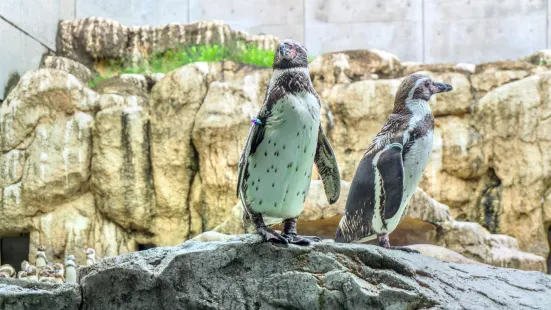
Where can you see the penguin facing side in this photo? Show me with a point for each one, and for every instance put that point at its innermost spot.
(392, 166)
(90, 256)
(71, 269)
(286, 139)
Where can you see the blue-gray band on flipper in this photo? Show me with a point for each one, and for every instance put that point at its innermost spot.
(326, 162)
(391, 169)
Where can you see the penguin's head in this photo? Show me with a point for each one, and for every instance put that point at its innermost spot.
(41, 248)
(419, 87)
(71, 257)
(89, 251)
(290, 54)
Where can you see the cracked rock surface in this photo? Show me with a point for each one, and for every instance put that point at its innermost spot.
(243, 273)
(22, 295)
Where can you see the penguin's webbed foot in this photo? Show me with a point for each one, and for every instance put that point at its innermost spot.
(271, 235)
(404, 249)
(301, 240)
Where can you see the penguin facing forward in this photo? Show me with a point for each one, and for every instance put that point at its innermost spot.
(71, 269)
(286, 139)
(41, 259)
(392, 166)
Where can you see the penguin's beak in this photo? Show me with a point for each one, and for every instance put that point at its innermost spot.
(286, 51)
(443, 87)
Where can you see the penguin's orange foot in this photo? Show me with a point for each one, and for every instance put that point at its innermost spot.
(271, 235)
(301, 240)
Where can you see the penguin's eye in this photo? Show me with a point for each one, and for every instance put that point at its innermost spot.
(427, 83)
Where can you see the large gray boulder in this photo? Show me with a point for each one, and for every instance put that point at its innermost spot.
(22, 295)
(243, 273)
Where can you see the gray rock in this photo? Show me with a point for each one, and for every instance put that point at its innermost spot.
(243, 273)
(17, 295)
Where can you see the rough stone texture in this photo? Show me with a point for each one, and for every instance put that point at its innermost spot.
(77, 69)
(152, 159)
(243, 273)
(514, 122)
(442, 254)
(351, 66)
(22, 295)
(228, 105)
(91, 39)
(427, 222)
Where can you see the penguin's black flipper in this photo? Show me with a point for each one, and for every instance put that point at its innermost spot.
(360, 205)
(256, 134)
(391, 169)
(328, 168)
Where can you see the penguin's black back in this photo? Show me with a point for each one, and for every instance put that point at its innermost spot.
(360, 205)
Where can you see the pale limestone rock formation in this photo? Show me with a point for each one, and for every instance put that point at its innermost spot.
(77, 69)
(346, 67)
(220, 125)
(152, 159)
(89, 40)
(174, 103)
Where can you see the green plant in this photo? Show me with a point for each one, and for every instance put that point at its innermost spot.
(175, 58)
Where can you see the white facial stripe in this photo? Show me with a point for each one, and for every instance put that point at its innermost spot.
(412, 91)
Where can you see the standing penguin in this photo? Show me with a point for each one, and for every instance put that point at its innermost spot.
(90, 256)
(286, 138)
(392, 165)
(71, 269)
(41, 259)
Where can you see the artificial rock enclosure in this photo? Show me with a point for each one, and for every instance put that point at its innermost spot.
(143, 160)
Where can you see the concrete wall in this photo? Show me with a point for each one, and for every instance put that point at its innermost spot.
(429, 31)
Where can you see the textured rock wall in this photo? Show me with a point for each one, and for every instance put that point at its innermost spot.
(89, 40)
(243, 273)
(153, 159)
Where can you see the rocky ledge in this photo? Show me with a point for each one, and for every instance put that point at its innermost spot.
(243, 273)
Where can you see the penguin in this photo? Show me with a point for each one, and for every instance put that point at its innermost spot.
(59, 273)
(392, 166)
(7, 271)
(46, 275)
(22, 275)
(59, 278)
(32, 273)
(90, 256)
(24, 265)
(285, 140)
(41, 259)
(70, 269)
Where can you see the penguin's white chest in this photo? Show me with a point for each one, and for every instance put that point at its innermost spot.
(70, 274)
(415, 162)
(281, 168)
